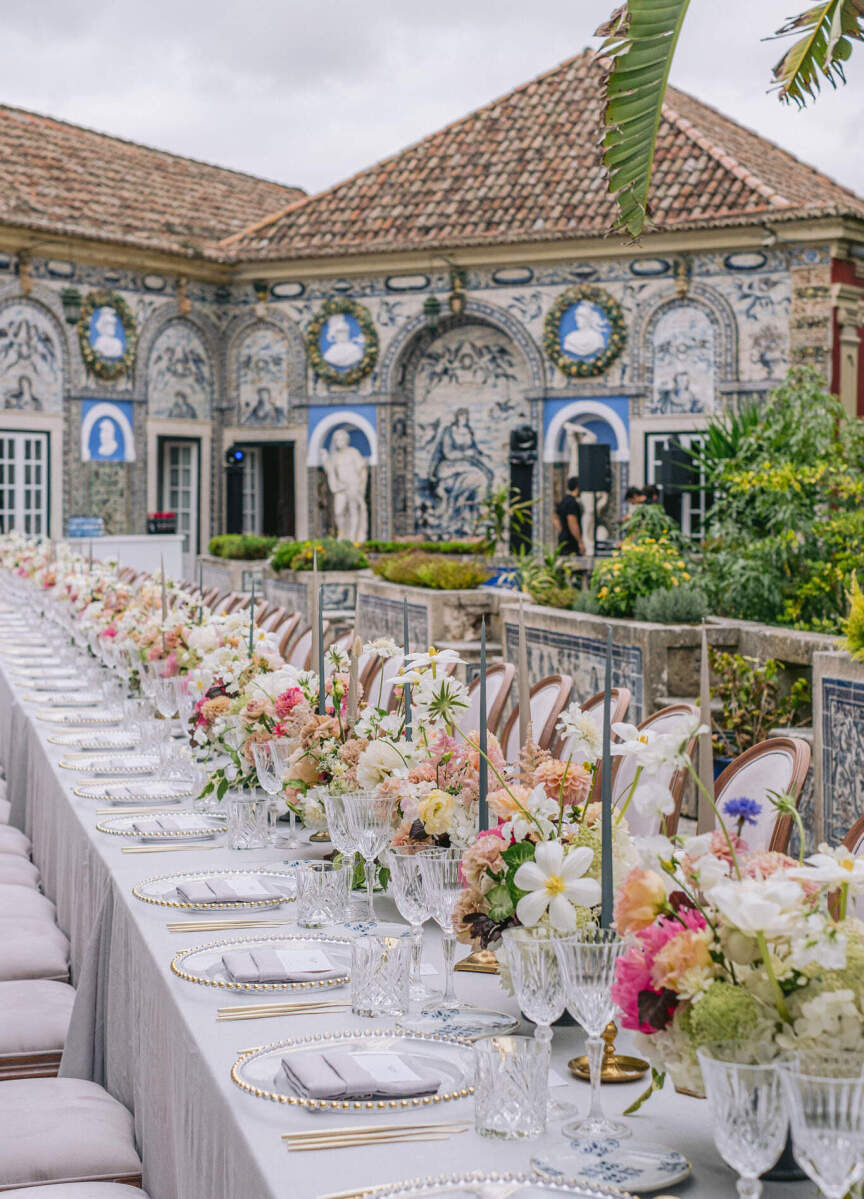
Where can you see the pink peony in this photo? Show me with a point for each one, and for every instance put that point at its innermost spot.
(482, 854)
(288, 700)
(634, 969)
(639, 900)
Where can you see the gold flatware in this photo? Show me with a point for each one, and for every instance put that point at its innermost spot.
(310, 1009)
(122, 810)
(304, 1143)
(166, 848)
(361, 1129)
(352, 1194)
(203, 926)
(268, 1007)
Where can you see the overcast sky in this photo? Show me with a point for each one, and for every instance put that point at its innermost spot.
(309, 91)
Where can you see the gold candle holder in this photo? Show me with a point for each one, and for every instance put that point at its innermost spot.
(616, 1067)
(482, 961)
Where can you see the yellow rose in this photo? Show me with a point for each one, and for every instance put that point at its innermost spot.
(436, 810)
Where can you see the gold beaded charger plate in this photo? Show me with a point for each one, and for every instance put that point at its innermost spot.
(204, 965)
(486, 1184)
(96, 739)
(161, 889)
(197, 827)
(88, 716)
(68, 697)
(135, 791)
(130, 764)
(260, 1072)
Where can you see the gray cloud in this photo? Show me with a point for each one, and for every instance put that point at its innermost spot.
(309, 92)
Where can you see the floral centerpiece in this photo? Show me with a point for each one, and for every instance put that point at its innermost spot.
(733, 945)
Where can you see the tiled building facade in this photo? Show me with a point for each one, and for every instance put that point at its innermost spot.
(432, 306)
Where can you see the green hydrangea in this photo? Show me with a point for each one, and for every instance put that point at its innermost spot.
(590, 836)
(723, 1012)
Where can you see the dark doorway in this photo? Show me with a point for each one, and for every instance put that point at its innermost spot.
(277, 489)
(260, 488)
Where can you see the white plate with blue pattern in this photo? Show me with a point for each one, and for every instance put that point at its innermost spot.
(634, 1165)
(468, 1023)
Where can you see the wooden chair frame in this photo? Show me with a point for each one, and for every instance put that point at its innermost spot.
(800, 750)
(544, 740)
(288, 631)
(669, 823)
(496, 709)
(856, 832)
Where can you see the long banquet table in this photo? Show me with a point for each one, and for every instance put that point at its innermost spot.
(153, 1040)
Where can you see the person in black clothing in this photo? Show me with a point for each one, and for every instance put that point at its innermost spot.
(568, 520)
(652, 494)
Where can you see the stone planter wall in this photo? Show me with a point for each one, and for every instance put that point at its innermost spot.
(656, 662)
(231, 574)
(838, 725)
(292, 589)
(439, 618)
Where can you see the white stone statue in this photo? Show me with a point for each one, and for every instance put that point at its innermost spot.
(577, 435)
(347, 473)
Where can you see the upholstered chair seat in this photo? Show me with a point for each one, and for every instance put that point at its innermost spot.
(20, 900)
(31, 947)
(18, 871)
(34, 1019)
(77, 1190)
(64, 1130)
(5, 810)
(12, 840)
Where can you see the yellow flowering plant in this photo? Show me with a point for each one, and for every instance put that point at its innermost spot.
(641, 566)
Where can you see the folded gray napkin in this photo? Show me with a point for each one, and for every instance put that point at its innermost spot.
(223, 890)
(340, 1074)
(278, 965)
(147, 826)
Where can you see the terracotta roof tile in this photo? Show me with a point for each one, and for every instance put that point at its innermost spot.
(67, 179)
(527, 168)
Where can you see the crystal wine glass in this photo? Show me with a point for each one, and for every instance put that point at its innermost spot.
(442, 886)
(538, 987)
(406, 887)
(587, 961)
(370, 823)
(281, 752)
(826, 1114)
(749, 1118)
(340, 834)
(269, 773)
(164, 695)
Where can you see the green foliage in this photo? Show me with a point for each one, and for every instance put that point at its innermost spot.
(332, 555)
(428, 547)
(652, 520)
(241, 545)
(753, 702)
(786, 529)
(501, 514)
(418, 569)
(677, 605)
(639, 567)
(829, 28)
(640, 38)
(854, 626)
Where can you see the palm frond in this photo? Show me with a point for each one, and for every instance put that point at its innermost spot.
(640, 38)
(829, 30)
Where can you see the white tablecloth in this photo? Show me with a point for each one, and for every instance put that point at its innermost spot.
(153, 1041)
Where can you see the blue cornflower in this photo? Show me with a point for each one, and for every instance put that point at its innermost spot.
(744, 810)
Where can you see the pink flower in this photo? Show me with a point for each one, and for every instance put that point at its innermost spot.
(634, 969)
(482, 854)
(110, 631)
(288, 700)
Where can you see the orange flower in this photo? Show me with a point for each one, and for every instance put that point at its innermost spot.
(569, 781)
(211, 708)
(639, 901)
(503, 803)
(683, 963)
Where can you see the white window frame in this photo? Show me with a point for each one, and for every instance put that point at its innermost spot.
(22, 514)
(190, 533)
(252, 489)
(693, 503)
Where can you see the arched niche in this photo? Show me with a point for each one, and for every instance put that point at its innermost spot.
(266, 366)
(32, 358)
(465, 387)
(179, 373)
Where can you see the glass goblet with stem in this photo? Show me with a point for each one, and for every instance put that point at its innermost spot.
(370, 823)
(340, 835)
(442, 885)
(281, 752)
(825, 1100)
(269, 772)
(539, 988)
(406, 887)
(587, 960)
(165, 701)
(748, 1115)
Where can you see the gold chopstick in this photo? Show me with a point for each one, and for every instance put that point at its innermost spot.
(165, 848)
(401, 1126)
(268, 1007)
(199, 926)
(370, 1139)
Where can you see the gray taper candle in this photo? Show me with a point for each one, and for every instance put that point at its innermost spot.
(483, 769)
(607, 890)
(406, 687)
